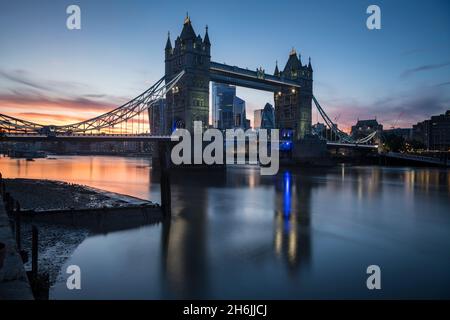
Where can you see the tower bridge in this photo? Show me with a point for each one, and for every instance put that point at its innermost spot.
(185, 87)
(292, 87)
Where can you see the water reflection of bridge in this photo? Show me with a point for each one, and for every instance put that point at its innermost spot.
(189, 250)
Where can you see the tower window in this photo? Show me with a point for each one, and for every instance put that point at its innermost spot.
(293, 74)
(198, 102)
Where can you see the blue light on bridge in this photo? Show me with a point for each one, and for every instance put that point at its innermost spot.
(285, 145)
(286, 140)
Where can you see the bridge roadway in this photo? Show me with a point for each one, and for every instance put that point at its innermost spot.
(248, 78)
(351, 145)
(84, 137)
(128, 137)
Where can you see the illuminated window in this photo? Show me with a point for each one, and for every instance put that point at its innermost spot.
(293, 73)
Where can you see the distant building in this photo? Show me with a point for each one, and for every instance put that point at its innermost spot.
(157, 117)
(264, 118)
(434, 133)
(228, 109)
(268, 117)
(222, 105)
(239, 113)
(247, 124)
(405, 133)
(365, 127)
(257, 115)
(319, 129)
(325, 132)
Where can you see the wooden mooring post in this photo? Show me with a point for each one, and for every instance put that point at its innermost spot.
(164, 158)
(18, 226)
(34, 251)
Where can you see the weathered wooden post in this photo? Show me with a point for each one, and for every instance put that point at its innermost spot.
(34, 251)
(165, 177)
(7, 199)
(18, 226)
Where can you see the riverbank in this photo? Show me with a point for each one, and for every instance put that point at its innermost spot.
(66, 214)
(14, 283)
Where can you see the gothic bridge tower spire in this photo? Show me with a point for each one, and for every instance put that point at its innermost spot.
(189, 100)
(293, 106)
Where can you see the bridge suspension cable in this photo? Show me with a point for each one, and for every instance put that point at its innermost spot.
(341, 135)
(120, 115)
(8, 124)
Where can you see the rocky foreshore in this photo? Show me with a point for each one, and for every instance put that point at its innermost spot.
(66, 214)
(41, 195)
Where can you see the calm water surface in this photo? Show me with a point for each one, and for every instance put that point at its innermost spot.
(236, 234)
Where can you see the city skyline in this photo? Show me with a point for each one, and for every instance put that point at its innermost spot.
(222, 151)
(358, 73)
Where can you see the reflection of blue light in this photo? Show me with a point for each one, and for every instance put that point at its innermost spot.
(174, 126)
(287, 181)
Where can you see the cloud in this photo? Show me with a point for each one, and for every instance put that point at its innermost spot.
(58, 110)
(443, 84)
(412, 52)
(20, 77)
(44, 117)
(25, 78)
(402, 109)
(49, 101)
(94, 96)
(426, 67)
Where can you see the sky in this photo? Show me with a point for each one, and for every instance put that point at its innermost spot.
(399, 74)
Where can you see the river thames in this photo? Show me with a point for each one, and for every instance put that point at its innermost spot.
(304, 233)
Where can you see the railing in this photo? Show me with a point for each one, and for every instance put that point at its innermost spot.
(417, 158)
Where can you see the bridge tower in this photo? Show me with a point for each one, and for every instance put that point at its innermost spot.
(189, 100)
(293, 106)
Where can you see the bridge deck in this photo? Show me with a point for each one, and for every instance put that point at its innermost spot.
(83, 138)
(248, 78)
(352, 145)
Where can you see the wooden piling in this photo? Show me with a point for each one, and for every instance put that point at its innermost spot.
(163, 149)
(18, 226)
(34, 251)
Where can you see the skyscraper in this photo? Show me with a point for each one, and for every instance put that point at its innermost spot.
(239, 113)
(228, 110)
(257, 119)
(157, 117)
(264, 118)
(268, 117)
(222, 105)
